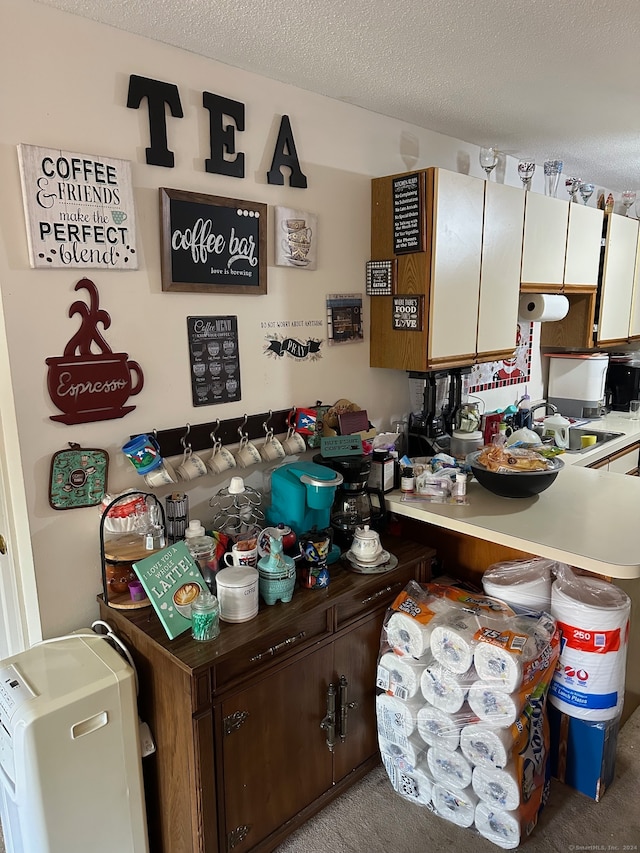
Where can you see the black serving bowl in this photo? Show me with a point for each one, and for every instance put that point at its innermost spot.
(514, 484)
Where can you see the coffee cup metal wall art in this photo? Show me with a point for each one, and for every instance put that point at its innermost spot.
(90, 382)
(296, 238)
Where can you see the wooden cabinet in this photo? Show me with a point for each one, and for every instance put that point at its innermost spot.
(618, 276)
(544, 244)
(624, 461)
(466, 276)
(241, 757)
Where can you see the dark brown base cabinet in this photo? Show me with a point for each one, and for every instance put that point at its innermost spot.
(259, 729)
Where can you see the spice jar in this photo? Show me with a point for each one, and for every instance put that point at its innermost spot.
(205, 617)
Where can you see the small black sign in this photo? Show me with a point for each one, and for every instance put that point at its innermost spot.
(407, 214)
(407, 313)
(381, 276)
(215, 360)
(212, 244)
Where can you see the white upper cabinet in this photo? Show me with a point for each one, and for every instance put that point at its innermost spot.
(545, 241)
(634, 322)
(582, 260)
(500, 268)
(618, 277)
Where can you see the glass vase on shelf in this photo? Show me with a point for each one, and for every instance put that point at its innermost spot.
(628, 198)
(488, 160)
(552, 172)
(526, 168)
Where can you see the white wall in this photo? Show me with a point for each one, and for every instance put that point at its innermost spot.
(65, 82)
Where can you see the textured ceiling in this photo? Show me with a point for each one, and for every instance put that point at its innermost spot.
(537, 79)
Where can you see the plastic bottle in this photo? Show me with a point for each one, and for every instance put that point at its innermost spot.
(460, 488)
(523, 417)
(203, 550)
(407, 481)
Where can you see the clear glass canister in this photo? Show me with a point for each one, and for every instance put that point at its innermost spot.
(203, 551)
(205, 617)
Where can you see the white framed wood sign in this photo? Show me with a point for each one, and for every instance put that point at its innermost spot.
(78, 209)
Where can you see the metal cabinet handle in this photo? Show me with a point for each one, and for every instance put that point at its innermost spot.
(329, 722)
(345, 707)
(272, 650)
(380, 592)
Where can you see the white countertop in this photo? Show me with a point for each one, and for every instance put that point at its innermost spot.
(586, 518)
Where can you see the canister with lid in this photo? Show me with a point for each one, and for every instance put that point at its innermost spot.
(237, 593)
(203, 550)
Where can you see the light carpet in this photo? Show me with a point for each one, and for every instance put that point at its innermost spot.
(371, 818)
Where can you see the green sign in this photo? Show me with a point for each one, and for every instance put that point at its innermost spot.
(341, 445)
(172, 581)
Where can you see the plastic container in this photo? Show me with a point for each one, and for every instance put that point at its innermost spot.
(203, 550)
(558, 427)
(205, 617)
(238, 593)
(463, 443)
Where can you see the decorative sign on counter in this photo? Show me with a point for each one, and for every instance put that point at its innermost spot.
(172, 581)
(408, 231)
(381, 277)
(215, 360)
(78, 209)
(344, 318)
(212, 244)
(86, 385)
(407, 313)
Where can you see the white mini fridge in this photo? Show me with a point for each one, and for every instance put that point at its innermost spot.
(70, 763)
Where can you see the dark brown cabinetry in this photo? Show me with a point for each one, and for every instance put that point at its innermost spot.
(242, 759)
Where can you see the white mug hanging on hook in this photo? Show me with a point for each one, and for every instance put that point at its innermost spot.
(192, 465)
(272, 448)
(293, 443)
(247, 453)
(221, 459)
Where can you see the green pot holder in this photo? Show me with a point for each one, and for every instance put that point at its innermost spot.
(78, 477)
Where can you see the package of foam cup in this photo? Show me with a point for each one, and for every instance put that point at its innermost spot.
(462, 683)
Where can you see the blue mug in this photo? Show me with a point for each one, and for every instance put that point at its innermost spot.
(143, 451)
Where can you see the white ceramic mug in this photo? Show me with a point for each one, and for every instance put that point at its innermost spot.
(272, 448)
(293, 443)
(247, 453)
(162, 476)
(221, 459)
(239, 556)
(191, 466)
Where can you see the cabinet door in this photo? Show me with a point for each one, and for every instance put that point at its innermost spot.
(500, 270)
(356, 656)
(617, 279)
(634, 323)
(584, 237)
(545, 241)
(456, 241)
(275, 760)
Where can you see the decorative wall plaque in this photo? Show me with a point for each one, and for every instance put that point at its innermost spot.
(212, 244)
(408, 214)
(86, 385)
(344, 318)
(296, 238)
(381, 277)
(407, 313)
(78, 209)
(215, 360)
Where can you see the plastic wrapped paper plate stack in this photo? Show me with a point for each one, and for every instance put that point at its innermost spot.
(462, 684)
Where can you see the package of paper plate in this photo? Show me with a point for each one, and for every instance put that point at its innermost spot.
(462, 683)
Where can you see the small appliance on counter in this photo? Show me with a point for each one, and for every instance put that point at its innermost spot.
(301, 495)
(623, 381)
(577, 383)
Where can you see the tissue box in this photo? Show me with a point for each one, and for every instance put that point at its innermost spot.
(583, 754)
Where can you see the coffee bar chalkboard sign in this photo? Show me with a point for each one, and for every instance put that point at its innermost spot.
(215, 360)
(212, 244)
(408, 231)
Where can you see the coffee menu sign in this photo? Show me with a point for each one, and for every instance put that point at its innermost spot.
(215, 360)
(212, 244)
(78, 209)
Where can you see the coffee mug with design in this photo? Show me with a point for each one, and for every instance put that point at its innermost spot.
(221, 459)
(272, 448)
(191, 466)
(143, 451)
(241, 556)
(247, 453)
(163, 475)
(293, 443)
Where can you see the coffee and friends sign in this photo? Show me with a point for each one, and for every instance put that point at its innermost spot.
(78, 208)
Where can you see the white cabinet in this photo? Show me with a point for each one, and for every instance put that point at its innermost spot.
(618, 277)
(500, 270)
(545, 241)
(582, 258)
(634, 321)
(624, 461)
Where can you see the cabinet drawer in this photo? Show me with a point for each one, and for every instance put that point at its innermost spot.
(380, 592)
(262, 651)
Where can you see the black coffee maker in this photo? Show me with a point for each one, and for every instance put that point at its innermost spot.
(355, 503)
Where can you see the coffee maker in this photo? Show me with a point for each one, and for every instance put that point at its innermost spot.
(302, 494)
(355, 503)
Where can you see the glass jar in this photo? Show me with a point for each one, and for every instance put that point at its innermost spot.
(205, 617)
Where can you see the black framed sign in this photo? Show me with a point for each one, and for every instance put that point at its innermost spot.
(407, 313)
(381, 277)
(215, 360)
(212, 244)
(408, 232)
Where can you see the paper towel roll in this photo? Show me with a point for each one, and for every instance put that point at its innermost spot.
(415, 785)
(450, 768)
(495, 664)
(452, 641)
(542, 307)
(492, 705)
(399, 675)
(499, 788)
(486, 745)
(406, 757)
(439, 729)
(395, 718)
(443, 689)
(498, 826)
(454, 805)
(407, 635)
